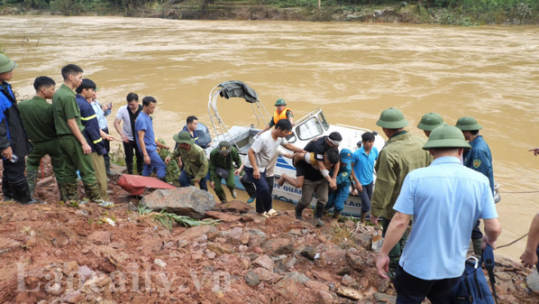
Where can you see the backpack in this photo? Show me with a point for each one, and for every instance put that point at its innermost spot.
(472, 287)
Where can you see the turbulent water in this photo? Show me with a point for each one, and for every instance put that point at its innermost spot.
(353, 71)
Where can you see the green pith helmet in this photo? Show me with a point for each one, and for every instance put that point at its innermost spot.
(280, 102)
(224, 147)
(446, 137)
(184, 138)
(6, 64)
(468, 124)
(430, 121)
(392, 119)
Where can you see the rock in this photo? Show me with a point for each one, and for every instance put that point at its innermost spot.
(505, 287)
(503, 276)
(264, 261)
(267, 275)
(72, 297)
(278, 246)
(256, 237)
(211, 255)
(350, 225)
(85, 272)
(308, 252)
(196, 232)
(100, 237)
(160, 263)
(296, 277)
(382, 298)
(234, 206)
(81, 212)
(258, 250)
(363, 240)
(349, 281)
(364, 283)
(295, 232)
(252, 278)
(19, 216)
(189, 201)
(219, 249)
(325, 297)
(235, 235)
(383, 285)
(324, 276)
(70, 267)
(349, 293)
(225, 217)
(356, 261)
(290, 264)
(245, 238)
(315, 285)
(344, 270)
(253, 217)
(243, 248)
(333, 256)
(8, 245)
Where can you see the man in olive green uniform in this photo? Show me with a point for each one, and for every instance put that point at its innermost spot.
(223, 163)
(76, 150)
(38, 120)
(402, 153)
(429, 122)
(195, 163)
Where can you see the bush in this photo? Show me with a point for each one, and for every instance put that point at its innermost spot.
(67, 7)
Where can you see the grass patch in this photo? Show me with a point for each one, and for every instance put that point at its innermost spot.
(167, 219)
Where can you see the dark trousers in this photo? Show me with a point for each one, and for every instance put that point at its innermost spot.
(309, 189)
(476, 232)
(413, 290)
(129, 148)
(12, 177)
(263, 194)
(106, 156)
(185, 181)
(366, 196)
(250, 187)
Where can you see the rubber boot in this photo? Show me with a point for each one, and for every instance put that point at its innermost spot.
(22, 195)
(130, 169)
(92, 192)
(318, 222)
(299, 213)
(6, 190)
(72, 192)
(62, 192)
(31, 176)
(107, 165)
(336, 215)
(163, 179)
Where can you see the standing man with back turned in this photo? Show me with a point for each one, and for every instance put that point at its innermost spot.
(445, 199)
(402, 153)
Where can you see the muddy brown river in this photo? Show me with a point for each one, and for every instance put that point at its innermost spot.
(352, 70)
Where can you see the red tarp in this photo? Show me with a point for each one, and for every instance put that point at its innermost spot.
(136, 184)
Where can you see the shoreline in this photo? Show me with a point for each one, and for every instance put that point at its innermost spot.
(396, 13)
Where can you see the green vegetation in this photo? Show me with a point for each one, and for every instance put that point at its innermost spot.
(167, 219)
(457, 12)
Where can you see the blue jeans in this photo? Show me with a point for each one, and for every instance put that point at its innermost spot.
(157, 164)
(185, 181)
(263, 194)
(337, 198)
(366, 196)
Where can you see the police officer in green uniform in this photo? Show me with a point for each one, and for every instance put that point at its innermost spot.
(38, 120)
(223, 163)
(67, 120)
(478, 158)
(402, 153)
(429, 122)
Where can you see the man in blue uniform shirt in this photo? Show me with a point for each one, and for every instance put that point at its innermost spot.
(478, 158)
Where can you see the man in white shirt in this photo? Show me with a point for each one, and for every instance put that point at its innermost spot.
(260, 154)
(128, 114)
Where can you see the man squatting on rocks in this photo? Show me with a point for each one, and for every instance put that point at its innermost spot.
(446, 199)
(195, 162)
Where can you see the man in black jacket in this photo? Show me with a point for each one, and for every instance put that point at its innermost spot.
(13, 140)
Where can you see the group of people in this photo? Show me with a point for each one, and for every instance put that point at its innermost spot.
(445, 183)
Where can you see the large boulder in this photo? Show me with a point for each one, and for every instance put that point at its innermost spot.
(189, 201)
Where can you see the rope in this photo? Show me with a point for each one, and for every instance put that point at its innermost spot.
(507, 245)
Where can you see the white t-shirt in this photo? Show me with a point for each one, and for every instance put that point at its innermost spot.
(270, 168)
(265, 148)
(123, 114)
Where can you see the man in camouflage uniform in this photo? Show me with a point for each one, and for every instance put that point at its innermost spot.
(402, 153)
(223, 163)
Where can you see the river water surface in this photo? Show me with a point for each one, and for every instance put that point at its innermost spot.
(352, 70)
